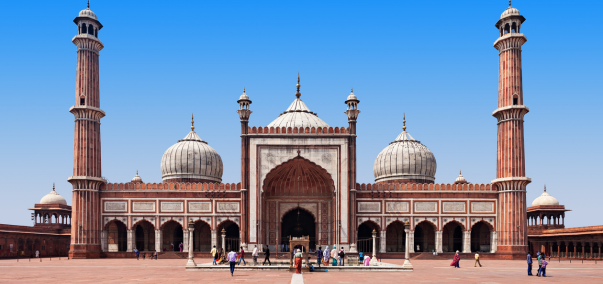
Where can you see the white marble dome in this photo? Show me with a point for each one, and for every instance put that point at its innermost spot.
(405, 159)
(53, 198)
(191, 159)
(460, 178)
(88, 13)
(298, 115)
(545, 199)
(510, 12)
(136, 178)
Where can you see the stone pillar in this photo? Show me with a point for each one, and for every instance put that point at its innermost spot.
(130, 240)
(374, 243)
(104, 241)
(493, 241)
(158, 240)
(191, 261)
(407, 263)
(185, 233)
(214, 238)
(353, 228)
(146, 240)
(466, 241)
(383, 242)
(438, 241)
(224, 240)
(411, 241)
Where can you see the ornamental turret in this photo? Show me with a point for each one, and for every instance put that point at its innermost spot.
(511, 180)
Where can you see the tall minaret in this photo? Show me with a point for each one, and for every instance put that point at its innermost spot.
(244, 114)
(511, 180)
(352, 112)
(87, 178)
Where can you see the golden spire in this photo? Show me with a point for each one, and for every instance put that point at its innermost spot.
(89, 4)
(298, 94)
(509, 3)
(460, 173)
(545, 188)
(53, 186)
(192, 127)
(352, 90)
(404, 122)
(243, 90)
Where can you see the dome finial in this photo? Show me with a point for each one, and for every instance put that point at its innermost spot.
(545, 188)
(89, 4)
(404, 122)
(53, 186)
(460, 172)
(298, 94)
(243, 90)
(352, 90)
(192, 127)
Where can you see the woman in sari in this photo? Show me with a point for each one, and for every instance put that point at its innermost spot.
(367, 260)
(298, 261)
(220, 256)
(326, 255)
(455, 260)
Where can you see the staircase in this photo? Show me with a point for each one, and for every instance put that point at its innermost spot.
(428, 255)
(172, 255)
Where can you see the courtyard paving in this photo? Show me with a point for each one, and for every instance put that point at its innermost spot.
(172, 271)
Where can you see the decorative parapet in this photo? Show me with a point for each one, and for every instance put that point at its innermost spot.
(184, 186)
(298, 130)
(425, 187)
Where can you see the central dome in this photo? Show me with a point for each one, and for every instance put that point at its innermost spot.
(191, 160)
(405, 160)
(298, 115)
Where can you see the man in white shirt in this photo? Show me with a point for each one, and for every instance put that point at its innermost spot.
(254, 254)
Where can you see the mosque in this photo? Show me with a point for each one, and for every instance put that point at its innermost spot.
(298, 178)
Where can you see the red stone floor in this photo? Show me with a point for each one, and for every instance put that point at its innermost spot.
(172, 271)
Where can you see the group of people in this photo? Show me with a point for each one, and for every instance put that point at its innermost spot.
(220, 257)
(144, 255)
(542, 263)
(326, 255)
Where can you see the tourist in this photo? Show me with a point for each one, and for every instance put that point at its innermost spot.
(181, 246)
(232, 259)
(221, 256)
(334, 255)
(456, 260)
(298, 261)
(242, 257)
(529, 264)
(326, 255)
(267, 258)
(172, 247)
(144, 255)
(367, 260)
(137, 253)
(543, 269)
(319, 256)
(342, 257)
(155, 255)
(539, 264)
(418, 248)
(477, 260)
(254, 254)
(37, 253)
(214, 253)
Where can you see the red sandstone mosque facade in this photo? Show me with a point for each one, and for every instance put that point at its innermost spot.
(298, 177)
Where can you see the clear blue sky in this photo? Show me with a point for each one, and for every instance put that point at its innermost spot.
(433, 60)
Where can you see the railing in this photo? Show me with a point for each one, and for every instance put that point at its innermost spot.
(366, 245)
(232, 244)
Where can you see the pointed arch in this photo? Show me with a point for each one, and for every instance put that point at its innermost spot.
(298, 177)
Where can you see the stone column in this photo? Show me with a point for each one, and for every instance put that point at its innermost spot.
(374, 243)
(146, 240)
(130, 240)
(466, 241)
(104, 241)
(493, 241)
(185, 233)
(158, 240)
(383, 242)
(224, 240)
(191, 261)
(214, 238)
(407, 263)
(411, 241)
(438, 241)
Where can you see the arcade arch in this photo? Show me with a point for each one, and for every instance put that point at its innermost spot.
(232, 238)
(395, 237)
(424, 237)
(452, 237)
(172, 236)
(297, 223)
(144, 233)
(364, 242)
(481, 236)
(202, 236)
(116, 236)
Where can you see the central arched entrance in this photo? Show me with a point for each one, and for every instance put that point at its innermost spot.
(298, 223)
(298, 188)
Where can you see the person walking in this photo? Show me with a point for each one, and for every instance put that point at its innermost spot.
(172, 246)
(341, 257)
(543, 269)
(155, 255)
(456, 260)
(539, 263)
(477, 260)
(334, 255)
(326, 255)
(137, 253)
(37, 253)
(298, 261)
(181, 246)
(144, 255)
(242, 257)
(214, 253)
(267, 258)
(319, 256)
(529, 260)
(232, 259)
(254, 255)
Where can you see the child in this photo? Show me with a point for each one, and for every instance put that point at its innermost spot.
(543, 269)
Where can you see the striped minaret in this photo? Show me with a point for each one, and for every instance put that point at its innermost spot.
(87, 178)
(511, 180)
